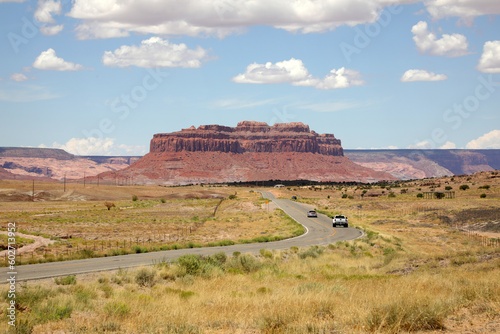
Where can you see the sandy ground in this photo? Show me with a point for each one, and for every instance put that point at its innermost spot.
(39, 242)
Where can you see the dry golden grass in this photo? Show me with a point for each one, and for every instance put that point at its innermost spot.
(161, 218)
(414, 271)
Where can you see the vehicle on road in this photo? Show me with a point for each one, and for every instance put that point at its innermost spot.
(312, 214)
(340, 220)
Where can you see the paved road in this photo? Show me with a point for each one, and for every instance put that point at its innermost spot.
(318, 231)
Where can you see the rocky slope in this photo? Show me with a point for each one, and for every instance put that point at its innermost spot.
(54, 164)
(251, 151)
(416, 164)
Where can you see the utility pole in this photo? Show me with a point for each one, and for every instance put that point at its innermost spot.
(84, 179)
(64, 182)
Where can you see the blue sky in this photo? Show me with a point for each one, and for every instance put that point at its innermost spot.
(100, 77)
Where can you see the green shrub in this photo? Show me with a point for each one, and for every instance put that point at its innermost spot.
(86, 254)
(439, 195)
(313, 252)
(391, 195)
(186, 294)
(52, 311)
(266, 253)
(68, 280)
(464, 187)
(420, 195)
(232, 196)
(139, 249)
(191, 264)
(134, 198)
(146, 277)
(245, 262)
(483, 196)
(448, 188)
(119, 309)
(219, 258)
(344, 195)
(163, 200)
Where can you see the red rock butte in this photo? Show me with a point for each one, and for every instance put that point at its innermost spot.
(247, 136)
(251, 151)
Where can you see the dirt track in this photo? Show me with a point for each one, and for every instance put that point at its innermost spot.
(39, 242)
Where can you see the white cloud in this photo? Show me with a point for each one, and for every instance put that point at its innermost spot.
(98, 146)
(423, 145)
(48, 60)
(422, 75)
(467, 10)
(341, 78)
(490, 59)
(51, 30)
(294, 72)
(448, 146)
(113, 18)
(18, 77)
(155, 52)
(487, 141)
(454, 45)
(45, 10)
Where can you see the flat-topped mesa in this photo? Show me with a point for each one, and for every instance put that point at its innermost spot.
(248, 136)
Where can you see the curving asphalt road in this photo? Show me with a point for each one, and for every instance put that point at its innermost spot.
(319, 231)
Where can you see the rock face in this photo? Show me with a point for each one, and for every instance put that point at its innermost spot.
(20, 163)
(417, 164)
(251, 151)
(248, 136)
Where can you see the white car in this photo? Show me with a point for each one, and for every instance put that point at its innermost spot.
(340, 220)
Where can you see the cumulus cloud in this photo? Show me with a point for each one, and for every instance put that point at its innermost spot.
(294, 72)
(18, 77)
(156, 52)
(454, 45)
(98, 146)
(422, 75)
(48, 60)
(490, 59)
(423, 145)
(448, 146)
(467, 10)
(45, 10)
(115, 18)
(487, 141)
(51, 30)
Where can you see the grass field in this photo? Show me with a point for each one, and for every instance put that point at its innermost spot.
(418, 269)
(148, 219)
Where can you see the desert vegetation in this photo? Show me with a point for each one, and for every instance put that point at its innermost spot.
(152, 220)
(420, 267)
(381, 283)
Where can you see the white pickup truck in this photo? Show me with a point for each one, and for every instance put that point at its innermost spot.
(340, 220)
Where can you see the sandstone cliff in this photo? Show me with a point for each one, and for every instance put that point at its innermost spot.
(247, 136)
(251, 151)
